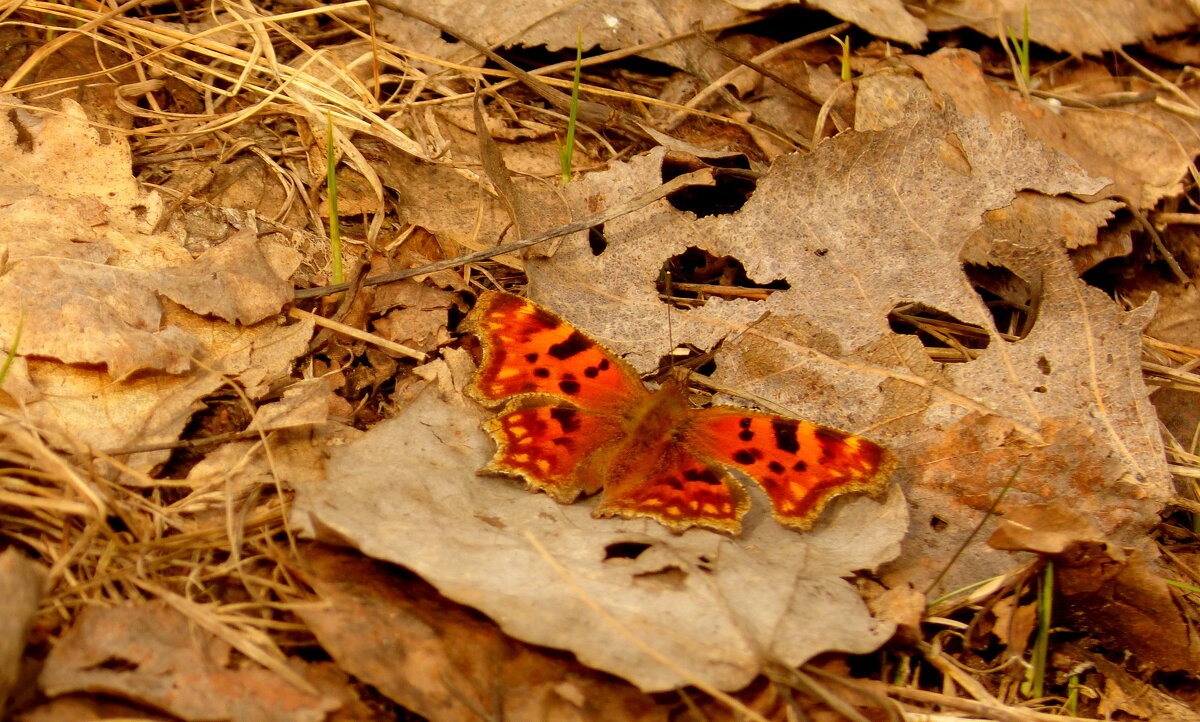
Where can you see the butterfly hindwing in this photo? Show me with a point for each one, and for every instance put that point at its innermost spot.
(677, 489)
(552, 447)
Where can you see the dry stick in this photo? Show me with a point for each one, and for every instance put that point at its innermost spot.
(357, 333)
(978, 708)
(702, 177)
(1180, 276)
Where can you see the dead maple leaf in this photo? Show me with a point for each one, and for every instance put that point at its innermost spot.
(867, 222)
(625, 596)
(393, 631)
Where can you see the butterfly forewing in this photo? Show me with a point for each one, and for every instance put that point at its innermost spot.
(799, 464)
(528, 350)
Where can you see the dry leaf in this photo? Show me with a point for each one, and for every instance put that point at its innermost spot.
(394, 632)
(152, 654)
(1144, 149)
(21, 582)
(1066, 25)
(1108, 592)
(104, 362)
(242, 279)
(609, 24)
(865, 223)
(884, 18)
(716, 608)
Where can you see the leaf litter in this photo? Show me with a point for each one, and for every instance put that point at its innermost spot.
(914, 276)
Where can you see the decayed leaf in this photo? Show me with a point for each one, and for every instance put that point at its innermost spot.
(1104, 590)
(152, 654)
(239, 280)
(1066, 25)
(869, 221)
(609, 24)
(81, 313)
(715, 608)
(103, 360)
(303, 404)
(394, 632)
(21, 582)
(1144, 149)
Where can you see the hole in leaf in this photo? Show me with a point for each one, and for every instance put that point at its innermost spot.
(448, 38)
(685, 355)
(24, 137)
(945, 338)
(1043, 365)
(114, 663)
(735, 183)
(689, 279)
(1012, 300)
(624, 550)
(1039, 389)
(597, 240)
(937, 523)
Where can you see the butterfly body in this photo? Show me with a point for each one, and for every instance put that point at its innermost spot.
(576, 419)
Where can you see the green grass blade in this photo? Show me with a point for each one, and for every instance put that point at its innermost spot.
(12, 350)
(1034, 685)
(335, 230)
(567, 153)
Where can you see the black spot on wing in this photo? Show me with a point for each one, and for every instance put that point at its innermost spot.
(744, 457)
(785, 435)
(800, 467)
(542, 372)
(569, 385)
(591, 372)
(531, 357)
(827, 434)
(746, 435)
(776, 467)
(568, 419)
(574, 344)
(744, 422)
(704, 475)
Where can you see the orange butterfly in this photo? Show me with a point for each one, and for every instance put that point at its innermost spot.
(576, 419)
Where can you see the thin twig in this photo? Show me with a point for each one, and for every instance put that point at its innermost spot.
(704, 176)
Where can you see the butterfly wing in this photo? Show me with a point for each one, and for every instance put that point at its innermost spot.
(800, 465)
(553, 447)
(528, 350)
(563, 395)
(673, 486)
